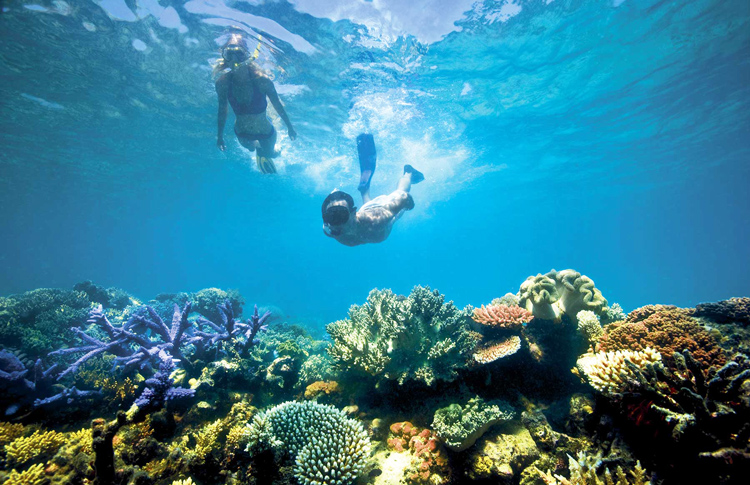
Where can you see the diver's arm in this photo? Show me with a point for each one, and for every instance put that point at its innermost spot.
(221, 90)
(270, 90)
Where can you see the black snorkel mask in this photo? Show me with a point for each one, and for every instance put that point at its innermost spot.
(235, 54)
(335, 216)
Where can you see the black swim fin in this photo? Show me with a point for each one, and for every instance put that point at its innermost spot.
(367, 158)
(416, 175)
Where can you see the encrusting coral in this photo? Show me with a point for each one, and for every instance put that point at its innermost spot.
(328, 447)
(419, 338)
(461, 426)
(665, 328)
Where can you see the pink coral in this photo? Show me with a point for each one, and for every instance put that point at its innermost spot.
(502, 316)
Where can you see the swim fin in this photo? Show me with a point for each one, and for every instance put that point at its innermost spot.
(367, 158)
(416, 175)
(265, 165)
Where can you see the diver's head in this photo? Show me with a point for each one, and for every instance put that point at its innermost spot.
(235, 51)
(337, 210)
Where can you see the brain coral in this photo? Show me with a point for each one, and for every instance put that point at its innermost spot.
(665, 328)
(329, 448)
(420, 338)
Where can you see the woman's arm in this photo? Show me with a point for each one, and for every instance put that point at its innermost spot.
(221, 90)
(270, 91)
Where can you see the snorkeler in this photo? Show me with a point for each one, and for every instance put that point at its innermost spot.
(373, 222)
(242, 84)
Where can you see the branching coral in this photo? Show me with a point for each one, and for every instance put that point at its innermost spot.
(329, 448)
(461, 426)
(583, 471)
(502, 316)
(615, 372)
(589, 326)
(21, 450)
(9, 432)
(497, 349)
(34, 475)
(667, 329)
(419, 338)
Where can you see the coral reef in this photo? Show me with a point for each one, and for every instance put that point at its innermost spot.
(328, 447)
(731, 310)
(559, 293)
(494, 349)
(502, 316)
(420, 338)
(461, 426)
(21, 450)
(615, 372)
(584, 471)
(503, 457)
(34, 475)
(667, 329)
(429, 462)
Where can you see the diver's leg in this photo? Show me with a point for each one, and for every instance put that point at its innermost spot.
(367, 160)
(267, 146)
(248, 143)
(411, 176)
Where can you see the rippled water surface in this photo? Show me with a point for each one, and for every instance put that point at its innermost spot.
(610, 137)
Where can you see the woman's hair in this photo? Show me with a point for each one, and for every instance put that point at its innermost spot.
(222, 64)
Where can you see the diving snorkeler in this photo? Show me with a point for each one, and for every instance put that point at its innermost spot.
(373, 222)
(242, 85)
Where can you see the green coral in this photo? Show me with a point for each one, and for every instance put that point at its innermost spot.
(559, 293)
(329, 448)
(419, 338)
(461, 426)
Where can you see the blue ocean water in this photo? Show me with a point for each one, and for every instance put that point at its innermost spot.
(612, 137)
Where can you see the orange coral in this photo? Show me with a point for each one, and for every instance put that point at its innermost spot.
(667, 329)
(318, 388)
(430, 459)
(502, 316)
(497, 349)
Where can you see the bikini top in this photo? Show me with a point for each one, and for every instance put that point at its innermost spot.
(257, 104)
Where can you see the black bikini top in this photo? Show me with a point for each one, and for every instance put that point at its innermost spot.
(257, 104)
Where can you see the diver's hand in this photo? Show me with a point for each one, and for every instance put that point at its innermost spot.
(220, 144)
(292, 133)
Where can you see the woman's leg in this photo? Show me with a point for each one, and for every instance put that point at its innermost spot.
(267, 146)
(248, 143)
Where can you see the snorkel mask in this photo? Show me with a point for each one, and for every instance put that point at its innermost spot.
(235, 54)
(336, 215)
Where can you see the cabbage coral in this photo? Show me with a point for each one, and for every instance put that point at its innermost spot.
(419, 338)
(559, 293)
(329, 448)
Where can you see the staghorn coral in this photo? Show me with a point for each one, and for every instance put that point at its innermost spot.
(328, 447)
(496, 349)
(589, 326)
(665, 328)
(461, 426)
(610, 372)
(420, 338)
(21, 450)
(502, 316)
(34, 475)
(583, 471)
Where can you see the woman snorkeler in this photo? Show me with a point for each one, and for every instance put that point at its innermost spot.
(241, 84)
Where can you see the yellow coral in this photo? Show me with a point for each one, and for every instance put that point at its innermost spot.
(608, 372)
(187, 481)
(206, 438)
(237, 437)
(22, 450)
(32, 476)
(9, 432)
(82, 439)
(318, 388)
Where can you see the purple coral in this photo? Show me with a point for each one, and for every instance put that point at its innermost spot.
(232, 328)
(160, 388)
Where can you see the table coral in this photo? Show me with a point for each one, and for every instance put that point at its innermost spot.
(665, 328)
(461, 426)
(496, 349)
(420, 338)
(502, 316)
(329, 448)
